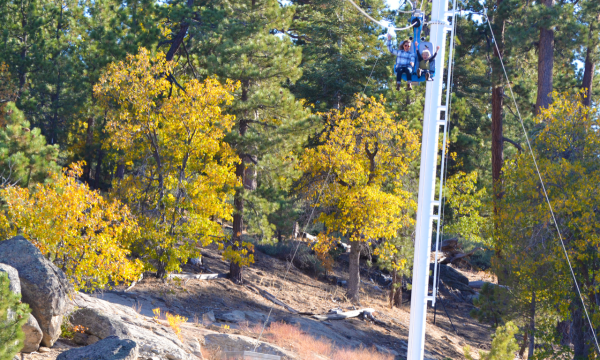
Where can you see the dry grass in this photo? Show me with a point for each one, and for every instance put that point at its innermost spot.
(211, 354)
(291, 336)
(360, 354)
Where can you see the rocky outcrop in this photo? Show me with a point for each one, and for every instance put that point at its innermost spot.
(154, 339)
(33, 335)
(234, 316)
(230, 342)
(43, 286)
(13, 278)
(98, 324)
(111, 348)
(453, 279)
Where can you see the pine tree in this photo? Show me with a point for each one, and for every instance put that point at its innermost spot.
(242, 41)
(13, 315)
(504, 345)
(341, 52)
(24, 154)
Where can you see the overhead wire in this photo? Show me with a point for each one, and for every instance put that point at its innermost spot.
(543, 187)
(377, 21)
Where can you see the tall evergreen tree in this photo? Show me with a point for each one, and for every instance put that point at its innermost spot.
(341, 51)
(241, 40)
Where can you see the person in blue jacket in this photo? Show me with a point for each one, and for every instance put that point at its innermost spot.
(405, 60)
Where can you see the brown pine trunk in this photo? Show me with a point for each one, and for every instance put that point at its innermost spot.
(235, 271)
(580, 336)
(98, 172)
(89, 140)
(497, 104)
(396, 290)
(497, 142)
(532, 327)
(523, 346)
(354, 269)
(590, 64)
(588, 78)
(545, 65)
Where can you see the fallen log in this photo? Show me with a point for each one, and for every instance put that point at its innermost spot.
(197, 276)
(342, 315)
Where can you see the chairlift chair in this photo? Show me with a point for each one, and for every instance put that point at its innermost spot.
(417, 19)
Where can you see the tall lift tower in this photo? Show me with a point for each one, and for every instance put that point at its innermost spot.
(435, 120)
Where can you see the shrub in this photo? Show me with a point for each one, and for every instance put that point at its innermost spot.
(491, 305)
(13, 314)
(81, 232)
(504, 344)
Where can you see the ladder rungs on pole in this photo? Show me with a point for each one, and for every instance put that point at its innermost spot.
(442, 122)
(435, 217)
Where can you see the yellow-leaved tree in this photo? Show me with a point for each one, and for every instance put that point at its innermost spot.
(85, 235)
(180, 174)
(531, 257)
(468, 206)
(358, 176)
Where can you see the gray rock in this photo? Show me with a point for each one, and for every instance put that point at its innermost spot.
(33, 335)
(85, 339)
(236, 316)
(110, 348)
(13, 277)
(229, 342)
(98, 324)
(153, 339)
(43, 286)
(209, 316)
(453, 279)
(195, 348)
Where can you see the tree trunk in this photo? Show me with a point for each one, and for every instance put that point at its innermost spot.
(354, 269)
(545, 65)
(497, 142)
(579, 330)
(588, 78)
(532, 327)
(497, 104)
(89, 140)
(590, 64)
(563, 328)
(235, 271)
(523, 346)
(396, 290)
(98, 172)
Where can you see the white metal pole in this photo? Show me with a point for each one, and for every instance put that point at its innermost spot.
(427, 177)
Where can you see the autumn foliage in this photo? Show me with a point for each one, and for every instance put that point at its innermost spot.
(84, 234)
(180, 173)
(356, 177)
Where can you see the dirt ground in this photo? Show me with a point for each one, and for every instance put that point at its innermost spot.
(306, 293)
(453, 328)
